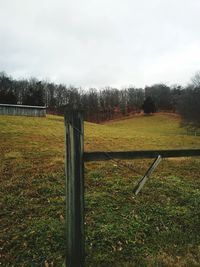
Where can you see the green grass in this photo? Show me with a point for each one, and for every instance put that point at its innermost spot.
(159, 227)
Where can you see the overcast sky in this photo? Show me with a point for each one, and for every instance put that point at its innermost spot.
(96, 43)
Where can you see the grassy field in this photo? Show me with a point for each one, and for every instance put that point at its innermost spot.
(159, 227)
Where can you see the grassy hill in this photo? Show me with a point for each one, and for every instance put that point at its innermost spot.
(159, 227)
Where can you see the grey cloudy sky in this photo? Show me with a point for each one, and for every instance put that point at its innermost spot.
(96, 43)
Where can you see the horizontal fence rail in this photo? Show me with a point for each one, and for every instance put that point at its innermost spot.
(100, 155)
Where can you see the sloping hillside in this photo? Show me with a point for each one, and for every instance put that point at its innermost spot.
(159, 227)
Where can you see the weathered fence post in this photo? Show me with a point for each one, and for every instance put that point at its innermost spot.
(74, 169)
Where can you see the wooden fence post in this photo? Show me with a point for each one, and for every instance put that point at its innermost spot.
(74, 171)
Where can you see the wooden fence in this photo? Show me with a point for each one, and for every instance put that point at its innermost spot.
(75, 157)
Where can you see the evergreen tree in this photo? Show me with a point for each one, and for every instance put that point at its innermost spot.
(149, 105)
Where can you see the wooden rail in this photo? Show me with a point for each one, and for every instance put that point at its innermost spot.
(100, 155)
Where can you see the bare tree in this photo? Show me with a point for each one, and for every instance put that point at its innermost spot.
(196, 79)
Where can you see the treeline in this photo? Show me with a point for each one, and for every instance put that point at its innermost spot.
(189, 104)
(100, 105)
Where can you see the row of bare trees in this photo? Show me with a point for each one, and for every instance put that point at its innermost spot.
(98, 105)
(189, 104)
(104, 104)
